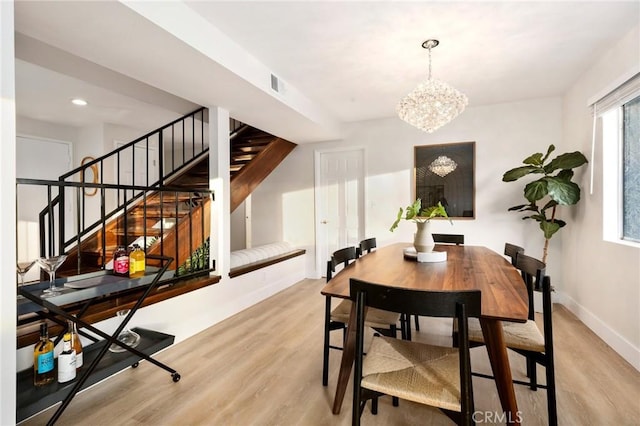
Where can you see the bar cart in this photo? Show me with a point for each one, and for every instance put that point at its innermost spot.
(99, 362)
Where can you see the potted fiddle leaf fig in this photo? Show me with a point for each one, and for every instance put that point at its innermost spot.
(550, 190)
(423, 240)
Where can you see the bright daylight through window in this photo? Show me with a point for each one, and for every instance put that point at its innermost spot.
(620, 113)
(631, 170)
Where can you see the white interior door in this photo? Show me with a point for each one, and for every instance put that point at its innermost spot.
(38, 158)
(339, 202)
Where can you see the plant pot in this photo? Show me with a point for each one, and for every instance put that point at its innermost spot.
(423, 240)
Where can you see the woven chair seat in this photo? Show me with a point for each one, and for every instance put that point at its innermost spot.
(525, 336)
(376, 318)
(413, 371)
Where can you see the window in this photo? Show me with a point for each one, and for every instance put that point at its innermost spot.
(620, 114)
(631, 170)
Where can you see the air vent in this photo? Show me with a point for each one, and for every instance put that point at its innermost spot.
(275, 84)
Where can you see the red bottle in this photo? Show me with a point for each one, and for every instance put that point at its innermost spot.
(121, 262)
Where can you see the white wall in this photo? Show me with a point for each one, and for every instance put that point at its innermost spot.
(7, 216)
(606, 294)
(505, 134)
(30, 127)
(238, 228)
(283, 205)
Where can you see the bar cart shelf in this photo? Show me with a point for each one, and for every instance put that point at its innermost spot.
(30, 399)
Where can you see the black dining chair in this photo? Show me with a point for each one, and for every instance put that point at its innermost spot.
(433, 375)
(512, 250)
(367, 246)
(457, 239)
(337, 318)
(526, 338)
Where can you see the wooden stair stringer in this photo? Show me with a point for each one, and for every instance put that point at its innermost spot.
(252, 174)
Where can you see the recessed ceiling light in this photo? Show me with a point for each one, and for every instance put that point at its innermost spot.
(79, 102)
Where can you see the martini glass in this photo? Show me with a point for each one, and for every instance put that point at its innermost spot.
(50, 265)
(23, 268)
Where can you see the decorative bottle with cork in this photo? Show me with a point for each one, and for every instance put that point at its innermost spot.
(121, 262)
(136, 262)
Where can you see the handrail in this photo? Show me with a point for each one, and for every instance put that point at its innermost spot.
(160, 138)
(130, 144)
(195, 197)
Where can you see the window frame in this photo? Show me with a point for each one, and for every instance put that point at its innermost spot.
(612, 120)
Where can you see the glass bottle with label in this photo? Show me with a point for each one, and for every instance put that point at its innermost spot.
(43, 362)
(121, 262)
(136, 262)
(66, 361)
(76, 344)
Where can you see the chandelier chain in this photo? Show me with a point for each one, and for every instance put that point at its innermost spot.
(429, 62)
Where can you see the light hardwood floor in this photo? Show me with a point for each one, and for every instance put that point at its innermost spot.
(264, 367)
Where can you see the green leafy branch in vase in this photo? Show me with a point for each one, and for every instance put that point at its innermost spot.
(554, 188)
(415, 213)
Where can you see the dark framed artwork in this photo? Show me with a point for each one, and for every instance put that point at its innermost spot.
(446, 173)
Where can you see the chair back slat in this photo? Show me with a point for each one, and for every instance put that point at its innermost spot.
(457, 239)
(342, 256)
(417, 302)
(532, 271)
(367, 245)
(512, 251)
(547, 311)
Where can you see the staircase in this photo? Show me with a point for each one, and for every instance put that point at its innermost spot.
(169, 217)
(254, 155)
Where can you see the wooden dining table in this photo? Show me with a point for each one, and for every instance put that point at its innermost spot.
(503, 292)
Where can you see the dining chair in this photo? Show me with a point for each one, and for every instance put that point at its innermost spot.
(511, 250)
(526, 339)
(433, 375)
(337, 319)
(366, 245)
(457, 239)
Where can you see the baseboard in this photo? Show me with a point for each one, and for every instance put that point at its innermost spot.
(618, 343)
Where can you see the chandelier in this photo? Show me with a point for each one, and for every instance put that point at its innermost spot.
(442, 166)
(433, 103)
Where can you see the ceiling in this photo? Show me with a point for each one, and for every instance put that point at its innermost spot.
(352, 60)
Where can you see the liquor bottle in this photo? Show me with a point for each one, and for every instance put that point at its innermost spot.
(136, 262)
(66, 361)
(76, 344)
(121, 262)
(43, 362)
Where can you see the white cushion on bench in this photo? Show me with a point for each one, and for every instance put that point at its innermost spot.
(256, 254)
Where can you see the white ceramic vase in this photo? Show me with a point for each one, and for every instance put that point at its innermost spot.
(423, 240)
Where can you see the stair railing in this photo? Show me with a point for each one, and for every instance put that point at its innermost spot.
(167, 235)
(163, 152)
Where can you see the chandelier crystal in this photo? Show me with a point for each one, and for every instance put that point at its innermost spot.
(433, 103)
(442, 166)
